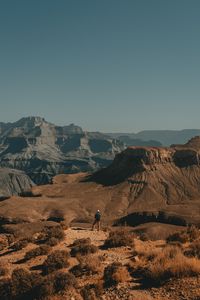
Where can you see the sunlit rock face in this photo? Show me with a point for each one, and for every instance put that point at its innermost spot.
(42, 149)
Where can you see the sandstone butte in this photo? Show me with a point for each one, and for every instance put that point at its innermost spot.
(141, 184)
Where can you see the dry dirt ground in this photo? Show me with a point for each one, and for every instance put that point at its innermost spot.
(184, 289)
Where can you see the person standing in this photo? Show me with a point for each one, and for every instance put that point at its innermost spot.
(97, 219)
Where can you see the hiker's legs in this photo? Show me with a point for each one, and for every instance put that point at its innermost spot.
(93, 225)
(98, 225)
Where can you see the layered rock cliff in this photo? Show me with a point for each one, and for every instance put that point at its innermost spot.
(43, 150)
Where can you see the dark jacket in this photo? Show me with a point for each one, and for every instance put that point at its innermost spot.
(97, 216)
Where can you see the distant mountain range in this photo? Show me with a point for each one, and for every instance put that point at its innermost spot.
(42, 149)
(157, 137)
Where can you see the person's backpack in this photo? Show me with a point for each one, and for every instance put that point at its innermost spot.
(98, 216)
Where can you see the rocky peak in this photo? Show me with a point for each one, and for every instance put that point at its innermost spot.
(30, 122)
(194, 143)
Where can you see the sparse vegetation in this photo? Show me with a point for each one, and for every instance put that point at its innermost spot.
(19, 245)
(41, 250)
(194, 249)
(52, 242)
(190, 234)
(56, 232)
(119, 238)
(26, 285)
(3, 269)
(56, 260)
(171, 263)
(3, 242)
(56, 283)
(23, 282)
(88, 265)
(114, 274)
(52, 235)
(83, 247)
(92, 291)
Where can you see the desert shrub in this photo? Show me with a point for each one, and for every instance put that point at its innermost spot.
(171, 263)
(3, 242)
(23, 283)
(194, 249)
(41, 250)
(81, 241)
(19, 245)
(51, 235)
(10, 238)
(55, 283)
(64, 225)
(62, 281)
(88, 265)
(190, 234)
(92, 291)
(114, 274)
(52, 242)
(181, 237)
(5, 289)
(54, 231)
(58, 259)
(193, 233)
(144, 237)
(82, 247)
(3, 269)
(119, 238)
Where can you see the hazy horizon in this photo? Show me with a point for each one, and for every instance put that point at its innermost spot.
(109, 66)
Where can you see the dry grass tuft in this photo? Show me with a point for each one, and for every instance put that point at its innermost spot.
(114, 274)
(171, 263)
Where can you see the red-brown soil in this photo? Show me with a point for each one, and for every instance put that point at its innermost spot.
(179, 289)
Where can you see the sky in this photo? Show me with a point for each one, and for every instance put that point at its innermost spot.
(106, 65)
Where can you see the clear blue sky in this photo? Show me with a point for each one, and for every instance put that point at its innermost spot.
(107, 65)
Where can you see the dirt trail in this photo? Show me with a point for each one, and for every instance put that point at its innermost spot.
(97, 237)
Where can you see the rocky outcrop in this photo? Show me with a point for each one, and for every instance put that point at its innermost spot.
(43, 150)
(13, 182)
(142, 184)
